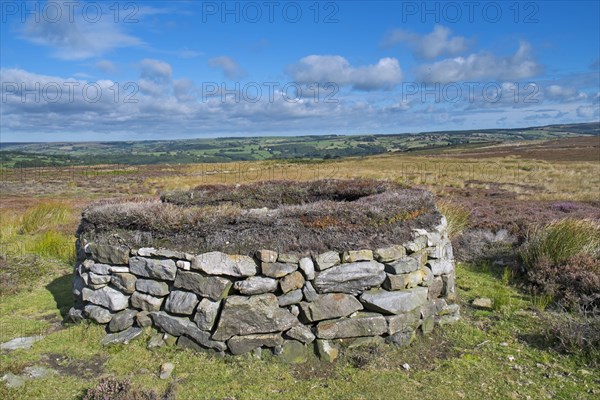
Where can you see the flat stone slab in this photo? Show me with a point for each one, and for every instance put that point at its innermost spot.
(20, 343)
(245, 344)
(251, 315)
(278, 269)
(110, 254)
(217, 263)
(145, 302)
(99, 314)
(403, 266)
(213, 287)
(106, 297)
(123, 337)
(122, 320)
(180, 302)
(151, 287)
(329, 306)
(394, 302)
(256, 285)
(367, 325)
(150, 268)
(352, 278)
(179, 326)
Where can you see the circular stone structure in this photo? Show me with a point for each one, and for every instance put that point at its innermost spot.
(279, 265)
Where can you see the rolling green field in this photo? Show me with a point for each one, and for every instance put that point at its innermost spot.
(268, 148)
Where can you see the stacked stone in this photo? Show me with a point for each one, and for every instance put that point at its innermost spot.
(287, 303)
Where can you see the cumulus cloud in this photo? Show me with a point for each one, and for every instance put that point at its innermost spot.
(430, 46)
(562, 93)
(71, 37)
(588, 111)
(230, 68)
(485, 65)
(155, 69)
(332, 68)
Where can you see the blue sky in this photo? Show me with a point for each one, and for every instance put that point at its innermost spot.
(137, 70)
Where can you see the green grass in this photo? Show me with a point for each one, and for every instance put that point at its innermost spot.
(43, 216)
(468, 360)
(561, 240)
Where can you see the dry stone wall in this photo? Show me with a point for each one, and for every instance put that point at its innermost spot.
(288, 303)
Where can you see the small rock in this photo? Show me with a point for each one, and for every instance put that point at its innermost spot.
(180, 302)
(357, 255)
(20, 343)
(388, 254)
(156, 341)
(310, 294)
(327, 351)
(308, 267)
(122, 337)
(13, 381)
(38, 372)
(122, 320)
(75, 315)
(206, 314)
(483, 303)
(245, 344)
(294, 352)
(301, 333)
(152, 287)
(145, 302)
(277, 269)
(166, 370)
(327, 260)
(143, 319)
(256, 285)
(288, 258)
(99, 314)
(268, 256)
(290, 282)
(293, 297)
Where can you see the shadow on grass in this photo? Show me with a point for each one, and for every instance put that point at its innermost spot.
(61, 291)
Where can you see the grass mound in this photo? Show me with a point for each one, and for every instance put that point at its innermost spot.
(285, 216)
(563, 259)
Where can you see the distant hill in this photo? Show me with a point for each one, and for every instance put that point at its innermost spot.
(230, 149)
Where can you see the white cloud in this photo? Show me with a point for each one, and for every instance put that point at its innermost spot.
(589, 111)
(231, 69)
(106, 66)
(483, 65)
(77, 39)
(331, 68)
(558, 92)
(430, 46)
(155, 69)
